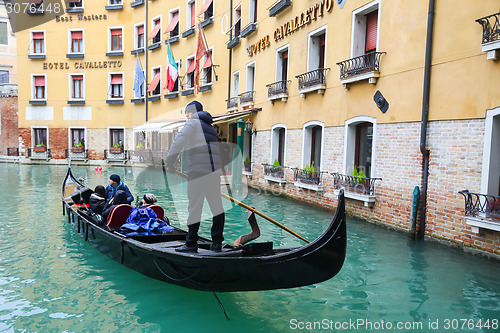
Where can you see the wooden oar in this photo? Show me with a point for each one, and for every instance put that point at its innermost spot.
(256, 212)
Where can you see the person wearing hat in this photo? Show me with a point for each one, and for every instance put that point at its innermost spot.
(148, 199)
(200, 140)
(116, 184)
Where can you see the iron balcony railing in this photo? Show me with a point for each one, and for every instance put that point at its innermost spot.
(77, 153)
(308, 176)
(277, 88)
(33, 153)
(274, 171)
(476, 204)
(12, 151)
(246, 97)
(312, 78)
(491, 28)
(361, 185)
(118, 155)
(232, 102)
(369, 62)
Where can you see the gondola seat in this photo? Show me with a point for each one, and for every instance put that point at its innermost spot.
(118, 216)
(160, 214)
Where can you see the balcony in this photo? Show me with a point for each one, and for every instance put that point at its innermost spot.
(249, 29)
(491, 36)
(312, 180)
(357, 188)
(232, 104)
(279, 6)
(77, 154)
(274, 173)
(312, 81)
(277, 90)
(365, 67)
(246, 98)
(482, 211)
(116, 155)
(39, 153)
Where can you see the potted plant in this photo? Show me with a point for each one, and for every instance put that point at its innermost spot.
(116, 149)
(309, 174)
(248, 164)
(139, 146)
(277, 170)
(360, 182)
(78, 148)
(40, 147)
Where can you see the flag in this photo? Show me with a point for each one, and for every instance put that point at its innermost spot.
(172, 70)
(200, 52)
(138, 79)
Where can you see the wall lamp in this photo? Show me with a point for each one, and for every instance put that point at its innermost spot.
(249, 127)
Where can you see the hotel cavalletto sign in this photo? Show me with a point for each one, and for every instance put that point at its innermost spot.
(310, 14)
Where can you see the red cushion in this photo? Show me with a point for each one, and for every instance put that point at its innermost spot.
(158, 211)
(119, 215)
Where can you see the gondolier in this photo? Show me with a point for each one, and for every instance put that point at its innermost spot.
(200, 140)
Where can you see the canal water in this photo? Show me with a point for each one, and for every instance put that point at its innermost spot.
(51, 280)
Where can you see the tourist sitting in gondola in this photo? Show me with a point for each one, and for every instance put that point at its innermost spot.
(148, 199)
(116, 184)
(97, 200)
(119, 199)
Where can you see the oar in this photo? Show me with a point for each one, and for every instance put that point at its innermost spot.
(256, 212)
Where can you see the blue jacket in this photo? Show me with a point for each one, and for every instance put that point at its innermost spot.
(201, 142)
(111, 191)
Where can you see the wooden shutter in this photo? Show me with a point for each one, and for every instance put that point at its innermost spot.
(371, 31)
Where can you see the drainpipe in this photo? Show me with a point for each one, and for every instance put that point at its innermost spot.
(425, 114)
(230, 50)
(146, 71)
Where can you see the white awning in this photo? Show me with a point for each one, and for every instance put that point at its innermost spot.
(150, 127)
(173, 126)
(218, 119)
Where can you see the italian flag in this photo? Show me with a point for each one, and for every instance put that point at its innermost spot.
(172, 70)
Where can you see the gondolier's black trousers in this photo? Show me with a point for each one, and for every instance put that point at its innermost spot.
(199, 189)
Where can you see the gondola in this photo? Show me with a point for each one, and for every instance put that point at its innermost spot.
(253, 266)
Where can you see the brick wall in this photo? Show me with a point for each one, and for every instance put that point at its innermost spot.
(8, 124)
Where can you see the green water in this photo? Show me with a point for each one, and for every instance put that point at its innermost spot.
(51, 280)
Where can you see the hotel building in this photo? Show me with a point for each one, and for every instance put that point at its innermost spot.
(378, 98)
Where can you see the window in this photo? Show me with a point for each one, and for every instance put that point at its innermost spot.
(116, 39)
(77, 137)
(207, 67)
(143, 86)
(359, 145)
(76, 41)
(115, 2)
(176, 83)
(4, 76)
(76, 86)
(116, 137)
(365, 30)
(155, 35)
(316, 57)
(282, 64)
(190, 73)
(490, 182)
(173, 26)
(37, 42)
(139, 36)
(207, 10)
(155, 86)
(191, 14)
(252, 11)
(236, 84)
(75, 4)
(237, 21)
(40, 136)
(38, 87)
(115, 86)
(140, 139)
(278, 142)
(312, 144)
(4, 34)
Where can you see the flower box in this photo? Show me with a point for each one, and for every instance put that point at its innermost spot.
(116, 150)
(77, 149)
(40, 149)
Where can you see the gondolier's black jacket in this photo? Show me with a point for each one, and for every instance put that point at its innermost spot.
(199, 138)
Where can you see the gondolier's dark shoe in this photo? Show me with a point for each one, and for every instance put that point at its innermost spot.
(216, 247)
(187, 249)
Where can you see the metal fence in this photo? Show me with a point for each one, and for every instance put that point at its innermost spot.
(365, 186)
(369, 62)
(476, 203)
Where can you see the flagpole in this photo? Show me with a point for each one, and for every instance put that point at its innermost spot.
(146, 72)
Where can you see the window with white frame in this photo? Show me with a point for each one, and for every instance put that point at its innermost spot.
(4, 76)
(190, 73)
(115, 2)
(139, 36)
(143, 87)
(77, 87)
(116, 137)
(37, 43)
(76, 41)
(237, 21)
(312, 145)
(155, 35)
(235, 84)
(115, 38)
(38, 87)
(191, 14)
(176, 83)
(282, 64)
(155, 87)
(77, 137)
(140, 140)
(74, 4)
(250, 78)
(490, 177)
(316, 48)
(359, 143)
(208, 9)
(115, 86)
(252, 6)
(4, 33)
(365, 29)
(278, 144)
(40, 136)
(207, 67)
(173, 26)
